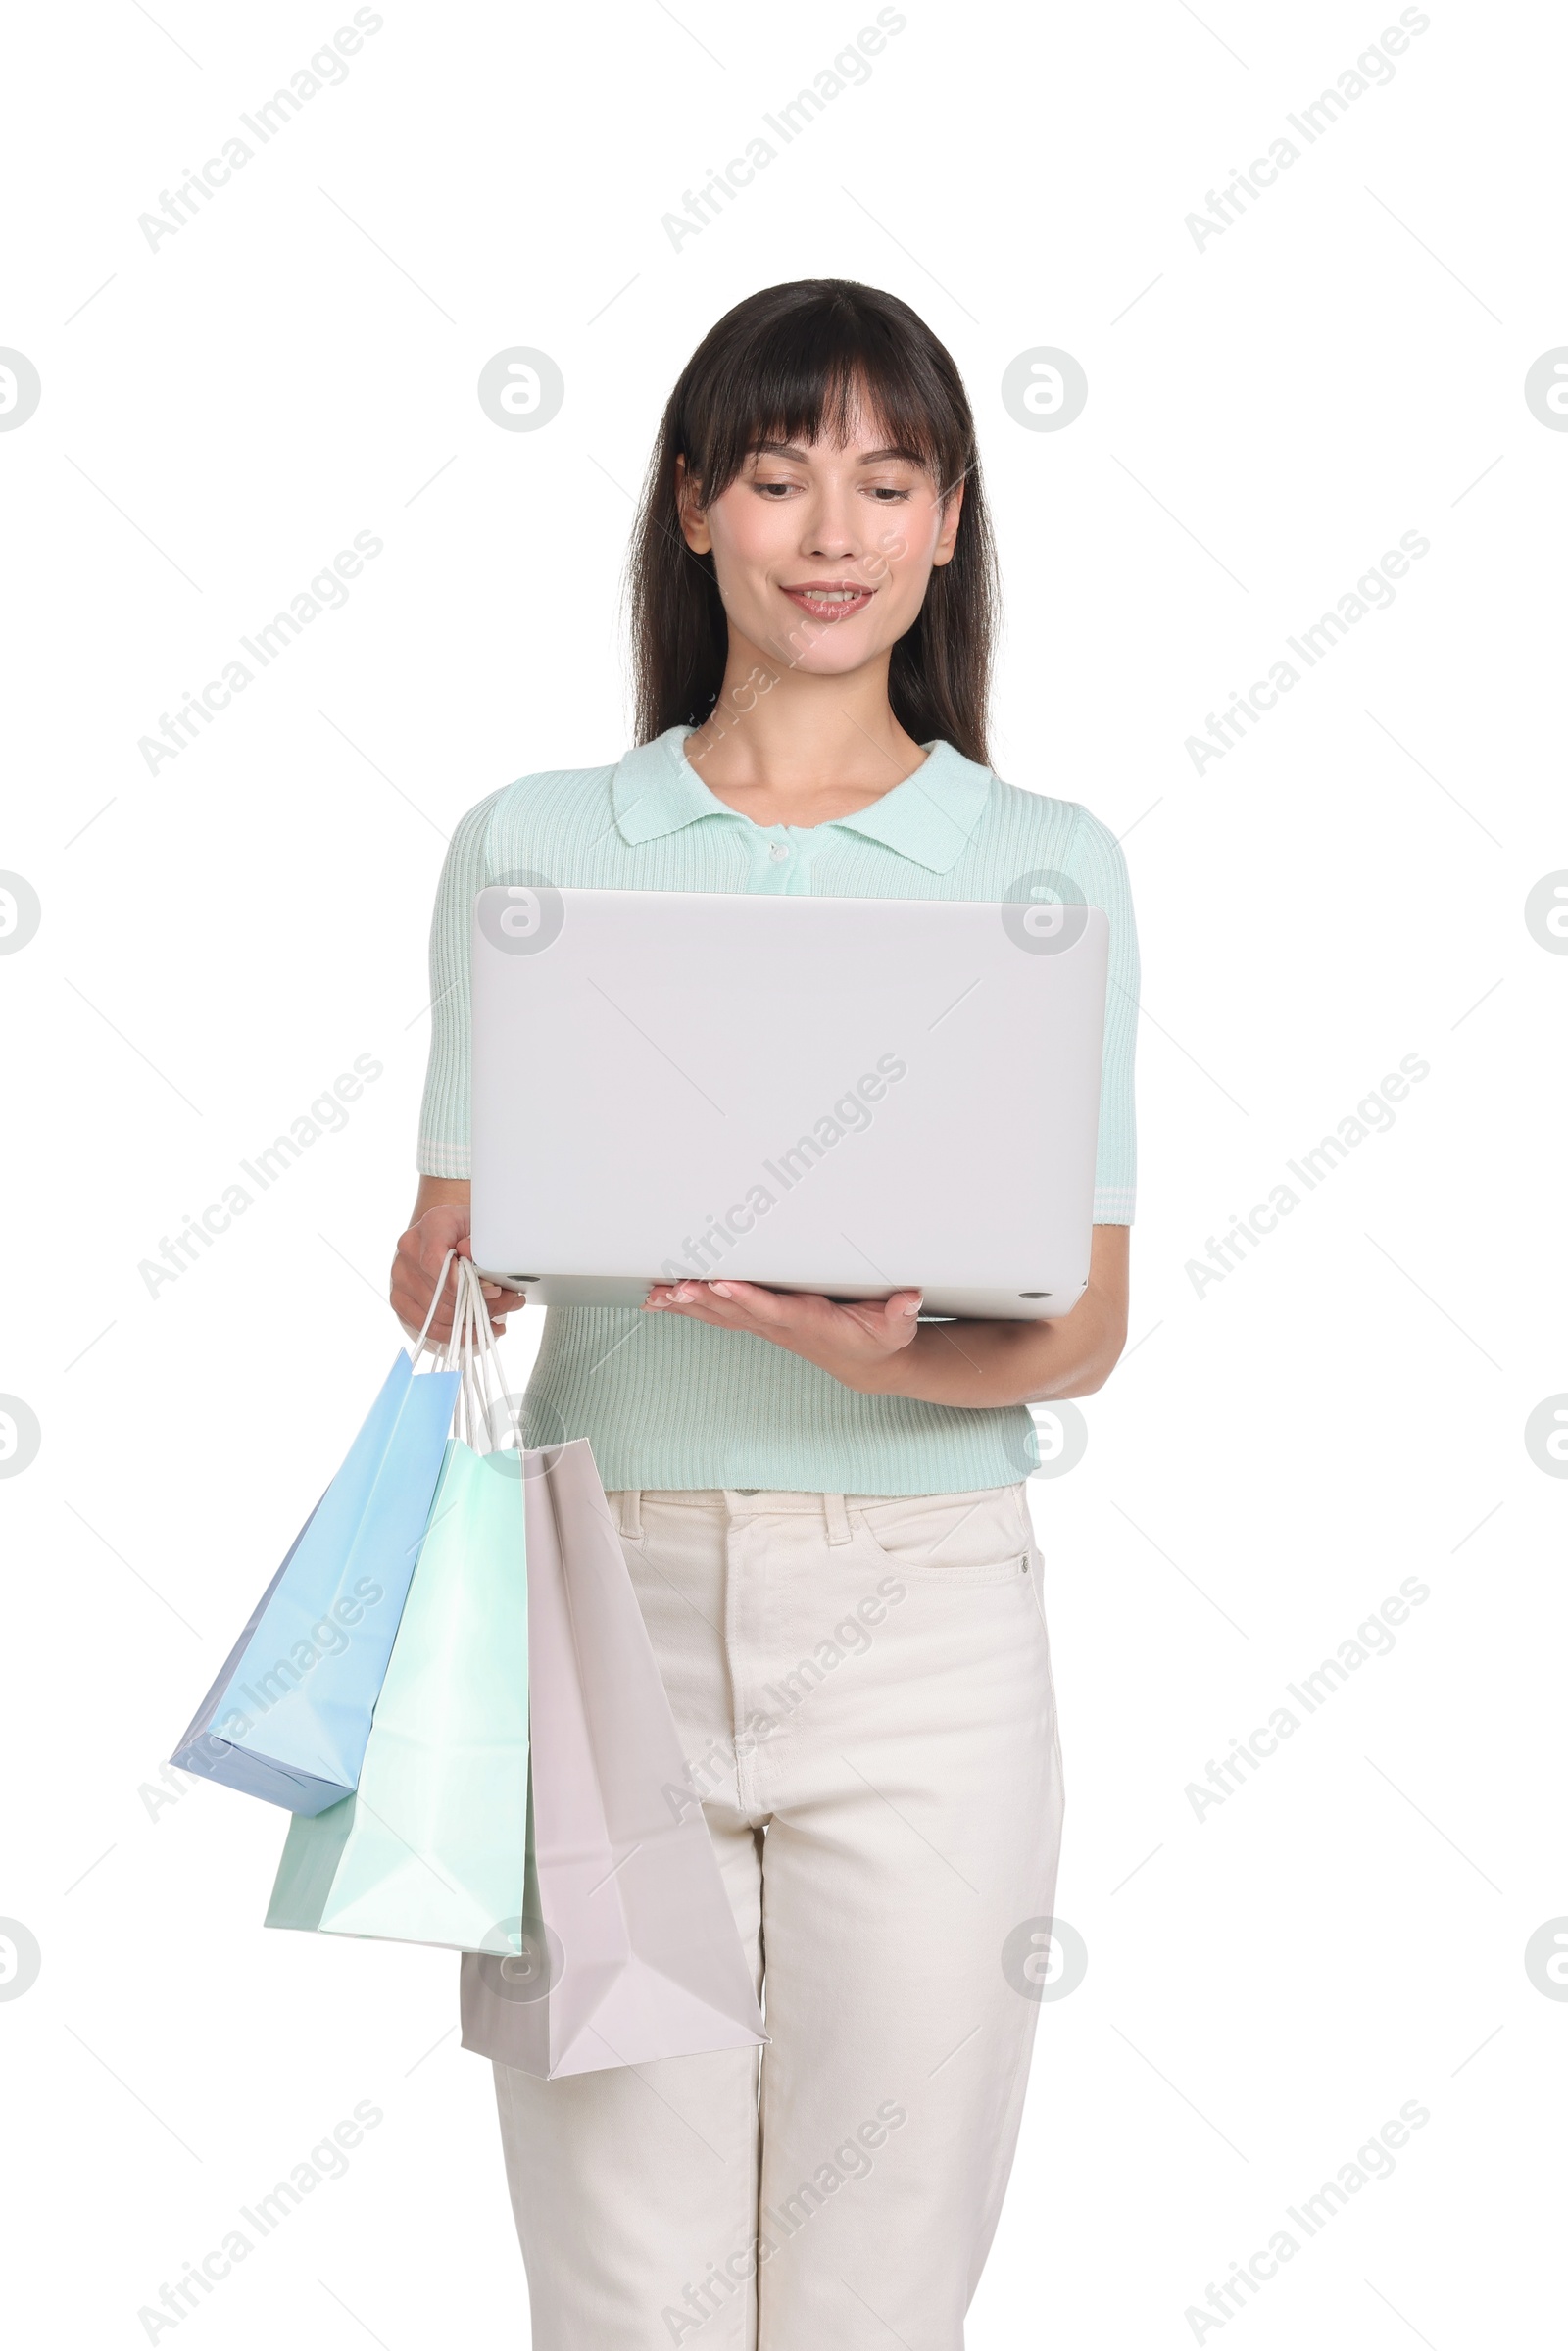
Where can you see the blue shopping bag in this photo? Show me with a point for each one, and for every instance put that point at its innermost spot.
(288, 1717)
(432, 1846)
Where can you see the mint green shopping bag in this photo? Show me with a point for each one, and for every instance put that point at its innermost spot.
(431, 1846)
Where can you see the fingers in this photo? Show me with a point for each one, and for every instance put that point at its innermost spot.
(446, 1221)
(412, 1306)
(432, 1248)
(700, 1308)
(443, 1229)
(773, 1312)
(665, 1294)
(746, 1298)
(732, 1305)
(800, 1321)
(901, 1319)
(687, 1297)
(416, 1265)
(697, 1311)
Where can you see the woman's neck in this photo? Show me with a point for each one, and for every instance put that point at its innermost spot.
(801, 750)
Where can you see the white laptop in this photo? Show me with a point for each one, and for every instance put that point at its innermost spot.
(844, 1094)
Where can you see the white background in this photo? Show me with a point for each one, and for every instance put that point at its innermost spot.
(1266, 414)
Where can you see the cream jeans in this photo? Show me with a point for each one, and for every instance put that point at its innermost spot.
(862, 1691)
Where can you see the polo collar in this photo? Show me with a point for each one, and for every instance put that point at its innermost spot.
(930, 817)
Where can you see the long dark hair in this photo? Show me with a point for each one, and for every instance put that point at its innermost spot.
(785, 364)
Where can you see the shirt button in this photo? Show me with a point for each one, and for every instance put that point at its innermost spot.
(778, 851)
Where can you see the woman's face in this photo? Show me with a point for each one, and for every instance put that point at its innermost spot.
(823, 549)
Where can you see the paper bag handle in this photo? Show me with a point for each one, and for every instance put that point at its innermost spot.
(423, 1339)
(472, 1349)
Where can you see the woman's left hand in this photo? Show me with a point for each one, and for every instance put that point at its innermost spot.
(854, 1343)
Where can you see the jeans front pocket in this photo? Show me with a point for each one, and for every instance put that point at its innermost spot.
(979, 1538)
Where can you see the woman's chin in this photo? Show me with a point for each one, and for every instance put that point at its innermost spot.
(839, 648)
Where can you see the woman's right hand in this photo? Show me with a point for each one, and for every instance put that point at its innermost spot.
(440, 1223)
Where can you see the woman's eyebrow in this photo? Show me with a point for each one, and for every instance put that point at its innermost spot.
(864, 456)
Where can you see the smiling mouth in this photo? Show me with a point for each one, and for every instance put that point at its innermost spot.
(831, 600)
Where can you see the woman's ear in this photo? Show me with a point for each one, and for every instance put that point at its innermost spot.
(688, 506)
(948, 535)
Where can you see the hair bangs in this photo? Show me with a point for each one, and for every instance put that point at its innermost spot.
(812, 376)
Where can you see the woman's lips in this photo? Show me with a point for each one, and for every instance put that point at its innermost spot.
(831, 605)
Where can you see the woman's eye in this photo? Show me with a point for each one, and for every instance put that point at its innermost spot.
(886, 494)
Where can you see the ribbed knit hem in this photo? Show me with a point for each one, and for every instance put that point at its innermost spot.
(451, 1159)
(676, 1406)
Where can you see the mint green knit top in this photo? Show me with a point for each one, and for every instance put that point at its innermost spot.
(668, 1403)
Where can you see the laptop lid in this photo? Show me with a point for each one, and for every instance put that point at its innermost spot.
(835, 1093)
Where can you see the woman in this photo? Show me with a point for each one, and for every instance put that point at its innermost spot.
(822, 1506)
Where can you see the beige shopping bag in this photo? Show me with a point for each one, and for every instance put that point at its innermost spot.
(629, 1948)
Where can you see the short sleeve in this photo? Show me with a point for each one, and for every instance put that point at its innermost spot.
(443, 1148)
(1098, 866)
